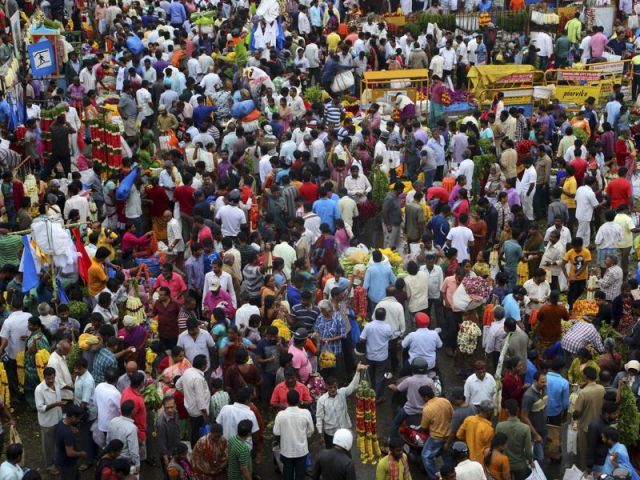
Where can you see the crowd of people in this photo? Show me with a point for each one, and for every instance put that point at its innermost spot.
(207, 310)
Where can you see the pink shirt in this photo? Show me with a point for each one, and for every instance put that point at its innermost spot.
(176, 286)
(301, 363)
(598, 42)
(449, 287)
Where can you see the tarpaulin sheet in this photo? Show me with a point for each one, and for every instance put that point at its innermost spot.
(482, 76)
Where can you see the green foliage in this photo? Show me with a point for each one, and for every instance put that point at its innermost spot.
(419, 26)
(77, 309)
(581, 134)
(481, 165)
(629, 419)
(379, 185)
(512, 22)
(607, 331)
(313, 94)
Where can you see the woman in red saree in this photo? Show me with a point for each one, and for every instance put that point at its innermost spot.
(209, 456)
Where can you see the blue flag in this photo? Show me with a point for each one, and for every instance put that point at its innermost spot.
(42, 58)
(62, 295)
(30, 278)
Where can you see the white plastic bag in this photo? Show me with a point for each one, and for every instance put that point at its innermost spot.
(343, 81)
(572, 440)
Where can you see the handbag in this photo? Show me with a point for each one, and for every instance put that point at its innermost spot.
(343, 81)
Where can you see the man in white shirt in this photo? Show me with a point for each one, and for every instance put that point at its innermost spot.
(245, 311)
(175, 242)
(231, 415)
(493, 340)
(526, 187)
(480, 386)
(465, 168)
(449, 61)
(265, 166)
(13, 335)
(586, 201)
(58, 361)
(196, 341)
(357, 185)
(231, 216)
(461, 238)
(210, 82)
(538, 290)
(145, 100)
(148, 72)
(435, 281)
(286, 252)
(564, 232)
(607, 237)
(294, 426)
(193, 66)
(196, 394)
(544, 44)
(304, 25)
(49, 406)
(76, 202)
(107, 400)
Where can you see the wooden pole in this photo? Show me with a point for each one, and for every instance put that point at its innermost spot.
(69, 225)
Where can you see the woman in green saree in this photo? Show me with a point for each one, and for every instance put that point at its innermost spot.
(36, 341)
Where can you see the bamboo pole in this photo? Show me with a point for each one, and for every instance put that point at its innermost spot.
(69, 225)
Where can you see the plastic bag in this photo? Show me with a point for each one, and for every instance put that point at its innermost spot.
(14, 437)
(343, 81)
(572, 440)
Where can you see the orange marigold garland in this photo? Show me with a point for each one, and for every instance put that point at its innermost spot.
(366, 431)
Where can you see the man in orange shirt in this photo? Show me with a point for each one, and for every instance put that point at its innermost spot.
(436, 419)
(97, 272)
(477, 432)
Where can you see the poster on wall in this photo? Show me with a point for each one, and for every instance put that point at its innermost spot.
(16, 32)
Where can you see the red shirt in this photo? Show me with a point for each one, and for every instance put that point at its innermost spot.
(309, 191)
(175, 285)
(139, 411)
(184, 195)
(158, 195)
(279, 395)
(619, 192)
(438, 192)
(580, 165)
(167, 319)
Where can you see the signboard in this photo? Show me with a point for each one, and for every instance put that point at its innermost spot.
(16, 32)
(579, 76)
(41, 57)
(574, 94)
(517, 78)
(607, 67)
(517, 100)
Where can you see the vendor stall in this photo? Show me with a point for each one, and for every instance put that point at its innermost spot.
(384, 86)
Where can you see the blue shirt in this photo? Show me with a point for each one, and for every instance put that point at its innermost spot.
(177, 13)
(622, 460)
(202, 113)
(440, 228)
(293, 296)
(328, 212)
(557, 394)
(531, 371)
(511, 307)
(377, 334)
(376, 280)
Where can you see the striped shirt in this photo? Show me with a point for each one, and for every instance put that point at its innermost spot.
(239, 455)
(580, 335)
(305, 316)
(332, 113)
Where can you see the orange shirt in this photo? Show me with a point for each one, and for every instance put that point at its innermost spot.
(477, 433)
(97, 278)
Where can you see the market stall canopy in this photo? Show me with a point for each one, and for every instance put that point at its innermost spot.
(484, 76)
(39, 30)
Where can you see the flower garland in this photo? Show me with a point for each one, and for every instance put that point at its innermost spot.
(366, 431)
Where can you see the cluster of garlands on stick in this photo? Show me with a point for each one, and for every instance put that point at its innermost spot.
(366, 432)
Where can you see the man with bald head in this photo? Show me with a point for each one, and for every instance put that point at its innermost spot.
(124, 381)
(58, 361)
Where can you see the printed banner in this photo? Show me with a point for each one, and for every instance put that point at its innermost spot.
(573, 94)
(41, 57)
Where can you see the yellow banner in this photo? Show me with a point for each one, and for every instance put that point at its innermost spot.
(574, 94)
